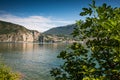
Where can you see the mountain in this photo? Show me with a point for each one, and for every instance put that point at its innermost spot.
(10, 32)
(63, 30)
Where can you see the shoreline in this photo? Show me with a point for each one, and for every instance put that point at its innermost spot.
(43, 42)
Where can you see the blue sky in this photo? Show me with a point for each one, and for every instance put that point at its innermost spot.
(42, 15)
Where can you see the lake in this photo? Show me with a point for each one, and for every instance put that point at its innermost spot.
(33, 60)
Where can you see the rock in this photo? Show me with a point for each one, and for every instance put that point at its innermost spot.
(20, 37)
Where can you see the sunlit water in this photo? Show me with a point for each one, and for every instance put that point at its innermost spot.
(34, 61)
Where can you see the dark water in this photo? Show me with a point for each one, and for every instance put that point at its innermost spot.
(34, 61)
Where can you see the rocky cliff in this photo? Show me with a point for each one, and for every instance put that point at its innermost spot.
(10, 32)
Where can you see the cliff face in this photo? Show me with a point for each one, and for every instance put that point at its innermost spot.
(10, 32)
(36, 35)
(19, 37)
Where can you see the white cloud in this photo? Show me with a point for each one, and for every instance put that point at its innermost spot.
(39, 23)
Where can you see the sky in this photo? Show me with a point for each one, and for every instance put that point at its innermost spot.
(42, 15)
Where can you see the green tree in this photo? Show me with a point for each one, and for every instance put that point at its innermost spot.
(99, 57)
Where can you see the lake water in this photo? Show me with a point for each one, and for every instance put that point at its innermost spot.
(34, 61)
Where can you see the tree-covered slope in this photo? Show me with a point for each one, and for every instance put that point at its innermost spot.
(63, 30)
(7, 28)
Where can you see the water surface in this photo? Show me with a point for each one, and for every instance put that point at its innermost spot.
(34, 61)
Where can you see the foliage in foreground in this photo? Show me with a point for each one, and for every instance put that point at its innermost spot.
(99, 58)
(7, 74)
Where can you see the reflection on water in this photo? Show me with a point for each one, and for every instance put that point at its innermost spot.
(33, 60)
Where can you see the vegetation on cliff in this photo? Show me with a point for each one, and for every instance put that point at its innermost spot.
(99, 59)
(7, 28)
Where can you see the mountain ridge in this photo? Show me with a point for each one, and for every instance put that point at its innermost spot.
(62, 30)
(10, 32)
(7, 27)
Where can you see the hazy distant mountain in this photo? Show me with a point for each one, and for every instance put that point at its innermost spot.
(10, 32)
(63, 30)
